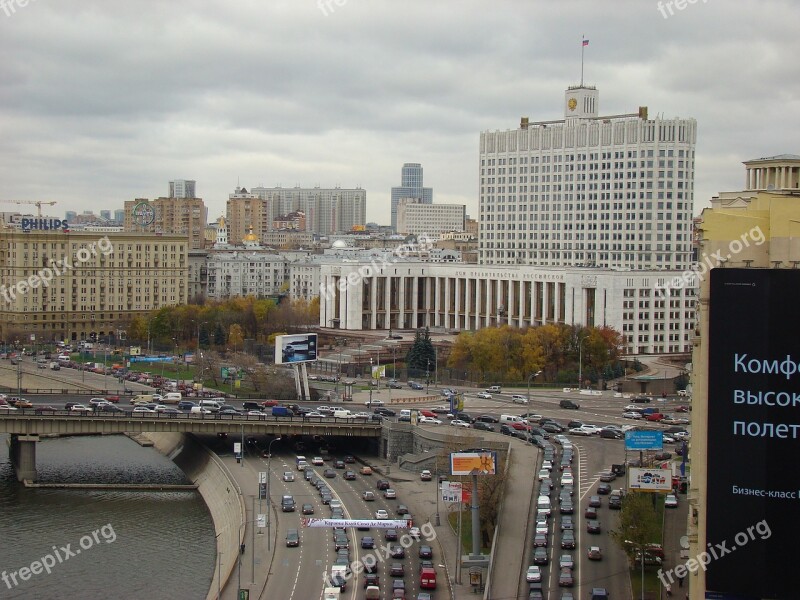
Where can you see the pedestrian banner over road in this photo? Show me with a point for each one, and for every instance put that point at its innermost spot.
(347, 523)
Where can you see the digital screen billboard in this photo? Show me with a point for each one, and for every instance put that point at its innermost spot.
(753, 513)
(295, 348)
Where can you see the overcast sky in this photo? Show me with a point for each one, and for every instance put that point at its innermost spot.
(103, 101)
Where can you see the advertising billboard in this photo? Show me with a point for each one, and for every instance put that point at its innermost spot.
(649, 480)
(644, 440)
(295, 348)
(473, 463)
(753, 394)
(455, 491)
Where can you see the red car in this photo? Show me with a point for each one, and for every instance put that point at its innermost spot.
(654, 417)
(683, 409)
(521, 426)
(112, 398)
(268, 403)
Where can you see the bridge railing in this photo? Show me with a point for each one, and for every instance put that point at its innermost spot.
(61, 413)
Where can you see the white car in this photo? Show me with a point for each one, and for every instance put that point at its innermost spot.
(160, 408)
(533, 418)
(381, 514)
(389, 494)
(414, 532)
(158, 398)
(668, 439)
(96, 401)
(547, 465)
(375, 402)
(317, 461)
(541, 527)
(517, 399)
(593, 429)
(80, 408)
(459, 423)
(567, 479)
(429, 420)
(7, 408)
(534, 574)
(631, 415)
(681, 435)
(484, 395)
(544, 474)
(138, 410)
(671, 501)
(633, 408)
(288, 476)
(580, 431)
(315, 414)
(256, 413)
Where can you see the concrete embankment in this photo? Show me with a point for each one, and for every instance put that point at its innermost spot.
(219, 491)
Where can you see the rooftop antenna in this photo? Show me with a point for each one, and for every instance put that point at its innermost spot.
(584, 43)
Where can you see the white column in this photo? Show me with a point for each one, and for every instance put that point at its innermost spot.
(387, 301)
(447, 292)
(457, 291)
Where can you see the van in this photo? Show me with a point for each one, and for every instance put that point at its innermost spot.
(172, 398)
(373, 592)
(332, 593)
(211, 405)
(342, 414)
(493, 389)
(543, 505)
(405, 413)
(142, 399)
(508, 419)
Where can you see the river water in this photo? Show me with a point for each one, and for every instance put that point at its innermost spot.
(122, 544)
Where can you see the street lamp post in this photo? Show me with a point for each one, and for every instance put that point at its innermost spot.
(428, 376)
(531, 376)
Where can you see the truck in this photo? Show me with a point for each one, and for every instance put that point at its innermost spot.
(281, 411)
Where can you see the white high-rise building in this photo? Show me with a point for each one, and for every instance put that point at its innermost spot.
(601, 191)
(182, 188)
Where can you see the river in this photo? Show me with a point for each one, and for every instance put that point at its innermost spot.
(108, 544)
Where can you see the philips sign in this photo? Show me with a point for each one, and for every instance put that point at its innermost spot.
(29, 224)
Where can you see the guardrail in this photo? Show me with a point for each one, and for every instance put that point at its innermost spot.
(108, 415)
(415, 400)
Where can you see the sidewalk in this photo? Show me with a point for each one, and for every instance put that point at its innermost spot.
(256, 553)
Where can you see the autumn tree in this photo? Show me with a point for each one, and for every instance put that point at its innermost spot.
(638, 524)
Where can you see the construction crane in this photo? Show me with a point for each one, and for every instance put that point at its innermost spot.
(38, 203)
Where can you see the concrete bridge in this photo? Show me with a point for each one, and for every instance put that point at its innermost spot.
(25, 427)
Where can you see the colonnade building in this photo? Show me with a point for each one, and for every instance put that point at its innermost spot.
(392, 293)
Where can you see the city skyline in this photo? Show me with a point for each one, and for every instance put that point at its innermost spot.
(399, 87)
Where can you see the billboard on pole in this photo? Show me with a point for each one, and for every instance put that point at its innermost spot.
(295, 348)
(644, 440)
(473, 463)
(649, 480)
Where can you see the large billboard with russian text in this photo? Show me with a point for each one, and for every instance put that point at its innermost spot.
(753, 432)
(649, 480)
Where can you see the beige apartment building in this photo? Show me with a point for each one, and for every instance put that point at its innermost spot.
(246, 211)
(181, 216)
(756, 228)
(58, 285)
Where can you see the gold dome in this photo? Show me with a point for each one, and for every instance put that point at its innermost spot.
(251, 237)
